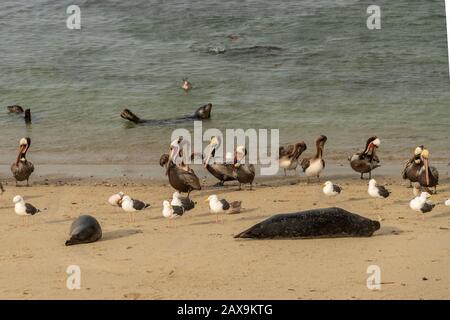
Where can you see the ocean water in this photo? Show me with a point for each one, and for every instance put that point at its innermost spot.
(306, 67)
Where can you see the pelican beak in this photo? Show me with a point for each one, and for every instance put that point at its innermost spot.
(22, 148)
(209, 155)
(173, 151)
(427, 175)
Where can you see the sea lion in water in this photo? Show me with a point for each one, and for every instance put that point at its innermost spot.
(19, 110)
(202, 113)
(316, 223)
(84, 229)
(15, 109)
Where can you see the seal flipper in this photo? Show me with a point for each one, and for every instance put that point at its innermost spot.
(128, 115)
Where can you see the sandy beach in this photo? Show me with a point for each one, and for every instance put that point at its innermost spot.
(200, 259)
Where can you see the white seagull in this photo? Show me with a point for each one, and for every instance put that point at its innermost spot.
(447, 203)
(24, 210)
(421, 203)
(377, 191)
(171, 212)
(222, 206)
(178, 200)
(330, 189)
(132, 205)
(115, 199)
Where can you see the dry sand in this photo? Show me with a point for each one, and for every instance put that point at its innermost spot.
(200, 259)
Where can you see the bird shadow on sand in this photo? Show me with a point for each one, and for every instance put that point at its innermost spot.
(59, 221)
(33, 197)
(356, 199)
(387, 231)
(120, 233)
(441, 215)
(217, 191)
(199, 223)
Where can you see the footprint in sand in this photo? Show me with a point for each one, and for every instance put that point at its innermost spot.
(132, 295)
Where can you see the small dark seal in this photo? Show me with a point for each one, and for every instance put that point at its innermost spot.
(84, 229)
(317, 223)
(202, 113)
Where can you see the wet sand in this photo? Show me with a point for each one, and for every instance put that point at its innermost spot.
(200, 259)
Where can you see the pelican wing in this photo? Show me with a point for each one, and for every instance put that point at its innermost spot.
(189, 178)
(305, 164)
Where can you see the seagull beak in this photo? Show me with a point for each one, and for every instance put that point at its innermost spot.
(206, 200)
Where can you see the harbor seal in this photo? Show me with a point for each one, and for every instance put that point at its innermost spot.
(202, 113)
(316, 223)
(84, 229)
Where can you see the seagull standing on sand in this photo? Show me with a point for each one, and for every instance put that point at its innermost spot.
(178, 200)
(219, 207)
(377, 191)
(132, 205)
(171, 212)
(116, 199)
(421, 203)
(24, 210)
(330, 189)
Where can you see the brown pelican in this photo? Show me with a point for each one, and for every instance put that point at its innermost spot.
(22, 168)
(428, 176)
(242, 172)
(186, 85)
(288, 157)
(222, 171)
(366, 161)
(181, 177)
(412, 167)
(312, 167)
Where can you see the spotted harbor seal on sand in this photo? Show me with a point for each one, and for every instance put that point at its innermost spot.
(202, 113)
(317, 223)
(84, 229)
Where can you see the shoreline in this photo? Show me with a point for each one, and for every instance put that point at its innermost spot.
(154, 173)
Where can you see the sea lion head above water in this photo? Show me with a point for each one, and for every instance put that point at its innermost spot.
(204, 112)
(15, 109)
